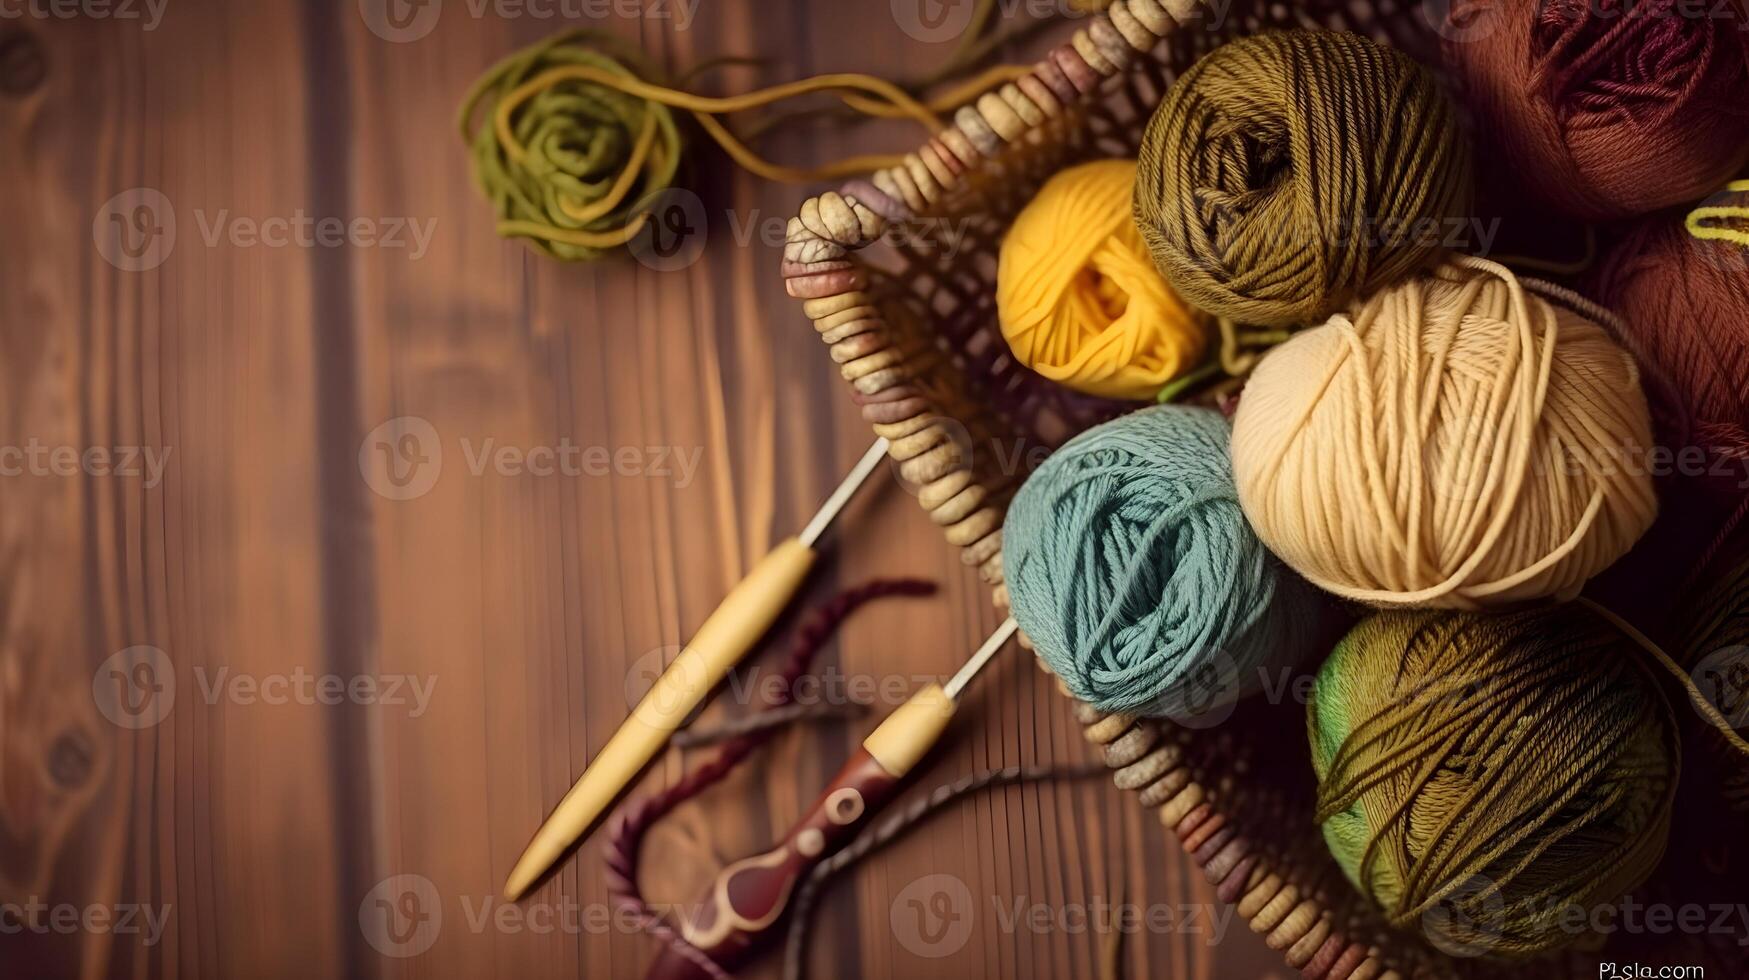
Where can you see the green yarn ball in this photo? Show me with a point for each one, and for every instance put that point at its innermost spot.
(1132, 570)
(1483, 776)
(553, 179)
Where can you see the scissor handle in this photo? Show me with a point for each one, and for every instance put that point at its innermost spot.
(749, 898)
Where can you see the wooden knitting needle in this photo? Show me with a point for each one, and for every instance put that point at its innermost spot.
(749, 898)
(743, 617)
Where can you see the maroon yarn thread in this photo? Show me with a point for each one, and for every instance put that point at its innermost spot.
(1685, 306)
(625, 838)
(1608, 108)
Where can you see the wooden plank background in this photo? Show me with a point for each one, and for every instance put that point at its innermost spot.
(261, 836)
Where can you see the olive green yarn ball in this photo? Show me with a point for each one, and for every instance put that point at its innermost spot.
(1286, 174)
(1482, 778)
(570, 162)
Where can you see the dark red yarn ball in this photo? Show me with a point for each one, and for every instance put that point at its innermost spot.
(1685, 303)
(1607, 108)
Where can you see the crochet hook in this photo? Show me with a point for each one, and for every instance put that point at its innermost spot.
(748, 899)
(725, 637)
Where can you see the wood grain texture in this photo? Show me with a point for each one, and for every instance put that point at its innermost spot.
(530, 607)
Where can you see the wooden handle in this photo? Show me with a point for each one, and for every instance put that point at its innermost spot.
(749, 898)
(745, 614)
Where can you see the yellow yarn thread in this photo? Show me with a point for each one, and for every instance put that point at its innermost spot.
(1077, 294)
(1737, 214)
(1458, 440)
(571, 137)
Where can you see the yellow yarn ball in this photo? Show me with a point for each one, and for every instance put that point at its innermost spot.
(1077, 294)
(1457, 440)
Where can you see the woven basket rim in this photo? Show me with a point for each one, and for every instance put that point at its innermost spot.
(842, 296)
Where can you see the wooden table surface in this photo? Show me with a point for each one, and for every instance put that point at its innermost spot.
(196, 557)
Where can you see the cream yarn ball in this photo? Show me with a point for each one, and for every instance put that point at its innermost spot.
(1462, 439)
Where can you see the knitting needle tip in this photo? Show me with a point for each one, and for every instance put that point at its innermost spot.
(724, 638)
(970, 669)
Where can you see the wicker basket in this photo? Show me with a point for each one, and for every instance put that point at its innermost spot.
(909, 315)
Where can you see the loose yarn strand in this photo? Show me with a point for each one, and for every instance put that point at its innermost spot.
(573, 133)
(1697, 220)
(875, 838)
(961, 94)
(790, 714)
(977, 44)
(1717, 622)
(625, 838)
(705, 109)
(1707, 709)
(1555, 267)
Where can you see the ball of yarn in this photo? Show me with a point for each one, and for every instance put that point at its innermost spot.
(1607, 108)
(567, 160)
(1286, 173)
(1684, 303)
(1131, 568)
(1456, 440)
(1480, 775)
(1078, 297)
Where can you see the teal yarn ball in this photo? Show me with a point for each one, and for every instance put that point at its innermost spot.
(1132, 570)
